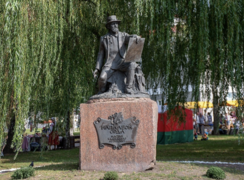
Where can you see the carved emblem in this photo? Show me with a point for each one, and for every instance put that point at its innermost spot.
(116, 131)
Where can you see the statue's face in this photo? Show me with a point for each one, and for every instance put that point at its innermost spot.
(114, 27)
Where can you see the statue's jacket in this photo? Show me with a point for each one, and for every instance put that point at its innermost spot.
(104, 46)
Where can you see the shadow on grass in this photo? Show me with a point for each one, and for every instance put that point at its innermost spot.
(60, 167)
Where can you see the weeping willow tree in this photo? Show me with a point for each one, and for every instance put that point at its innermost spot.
(48, 51)
(205, 52)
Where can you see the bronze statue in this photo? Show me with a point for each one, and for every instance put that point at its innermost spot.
(112, 51)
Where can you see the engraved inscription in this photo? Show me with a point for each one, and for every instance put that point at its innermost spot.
(116, 131)
(118, 138)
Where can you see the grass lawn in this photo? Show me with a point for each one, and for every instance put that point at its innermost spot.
(63, 164)
(76, 133)
(70, 156)
(163, 170)
(217, 148)
(33, 131)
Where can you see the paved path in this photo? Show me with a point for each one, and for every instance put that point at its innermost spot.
(208, 162)
(12, 169)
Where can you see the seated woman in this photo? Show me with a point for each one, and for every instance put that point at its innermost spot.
(225, 127)
(205, 136)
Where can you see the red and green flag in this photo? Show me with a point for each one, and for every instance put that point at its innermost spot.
(171, 131)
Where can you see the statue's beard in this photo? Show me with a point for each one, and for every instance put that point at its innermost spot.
(115, 29)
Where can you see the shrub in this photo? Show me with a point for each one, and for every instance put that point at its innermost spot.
(23, 173)
(111, 176)
(215, 173)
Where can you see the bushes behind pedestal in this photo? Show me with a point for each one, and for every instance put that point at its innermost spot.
(23, 173)
(215, 173)
(111, 176)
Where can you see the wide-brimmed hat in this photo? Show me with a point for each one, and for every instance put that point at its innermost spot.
(111, 19)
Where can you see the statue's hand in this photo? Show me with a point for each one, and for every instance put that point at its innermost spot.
(135, 36)
(95, 73)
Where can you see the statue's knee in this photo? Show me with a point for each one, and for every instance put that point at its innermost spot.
(102, 78)
(132, 65)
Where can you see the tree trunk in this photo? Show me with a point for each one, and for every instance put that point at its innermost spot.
(72, 123)
(215, 110)
(8, 148)
(67, 130)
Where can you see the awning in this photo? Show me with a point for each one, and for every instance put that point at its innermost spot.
(232, 103)
(199, 104)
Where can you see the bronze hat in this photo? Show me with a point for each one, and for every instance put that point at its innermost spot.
(111, 19)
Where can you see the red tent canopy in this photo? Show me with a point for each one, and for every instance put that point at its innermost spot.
(172, 124)
(171, 131)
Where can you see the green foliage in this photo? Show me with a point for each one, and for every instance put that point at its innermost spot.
(111, 176)
(23, 173)
(48, 50)
(215, 173)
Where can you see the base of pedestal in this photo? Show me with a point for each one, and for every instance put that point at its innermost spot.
(126, 159)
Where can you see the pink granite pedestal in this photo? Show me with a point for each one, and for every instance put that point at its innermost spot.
(140, 158)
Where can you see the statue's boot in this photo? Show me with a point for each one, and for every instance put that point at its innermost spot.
(102, 86)
(129, 81)
(129, 90)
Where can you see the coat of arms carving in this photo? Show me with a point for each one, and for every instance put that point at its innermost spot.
(116, 131)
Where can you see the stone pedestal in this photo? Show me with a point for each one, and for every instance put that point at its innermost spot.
(126, 159)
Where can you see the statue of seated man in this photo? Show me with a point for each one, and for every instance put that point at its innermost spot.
(112, 50)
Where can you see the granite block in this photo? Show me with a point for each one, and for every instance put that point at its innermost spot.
(127, 159)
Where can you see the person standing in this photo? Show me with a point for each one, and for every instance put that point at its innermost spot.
(210, 120)
(227, 118)
(4, 142)
(237, 125)
(233, 118)
(201, 123)
(197, 122)
(194, 121)
(53, 136)
(205, 116)
(31, 124)
(221, 119)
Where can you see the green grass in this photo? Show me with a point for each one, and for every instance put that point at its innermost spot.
(76, 133)
(33, 131)
(58, 157)
(63, 164)
(217, 148)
